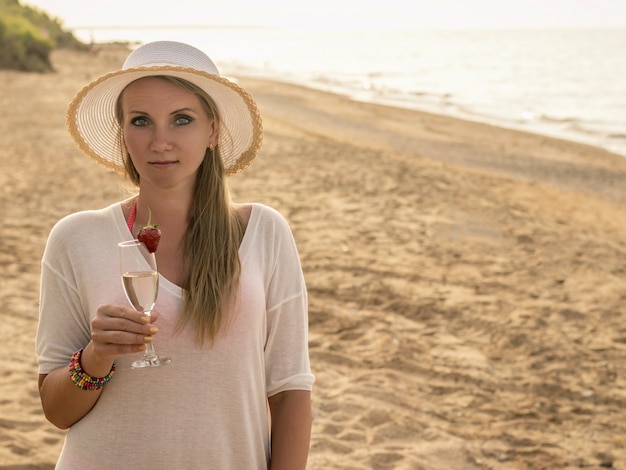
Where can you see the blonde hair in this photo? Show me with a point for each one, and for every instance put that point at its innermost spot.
(211, 244)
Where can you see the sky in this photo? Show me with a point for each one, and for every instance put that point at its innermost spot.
(340, 14)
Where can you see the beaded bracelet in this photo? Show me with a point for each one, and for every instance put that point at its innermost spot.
(80, 377)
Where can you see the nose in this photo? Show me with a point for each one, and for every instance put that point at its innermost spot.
(161, 139)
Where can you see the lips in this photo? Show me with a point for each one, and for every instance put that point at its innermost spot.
(163, 163)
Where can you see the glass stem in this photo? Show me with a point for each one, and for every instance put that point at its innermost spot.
(149, 353)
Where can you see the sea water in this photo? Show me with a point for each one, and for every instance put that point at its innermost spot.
(569, 83)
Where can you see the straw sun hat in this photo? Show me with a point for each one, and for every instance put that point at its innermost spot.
(91, 114)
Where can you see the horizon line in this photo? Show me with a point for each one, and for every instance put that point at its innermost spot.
(172, 26)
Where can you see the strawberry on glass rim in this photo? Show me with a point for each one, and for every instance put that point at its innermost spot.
(150, 234)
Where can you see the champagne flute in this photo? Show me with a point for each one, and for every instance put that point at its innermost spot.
(140, 280)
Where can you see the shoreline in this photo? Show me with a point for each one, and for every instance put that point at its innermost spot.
(448, 140)
(466, 281)
(540, 129)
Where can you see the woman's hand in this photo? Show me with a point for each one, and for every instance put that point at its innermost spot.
(117, 329)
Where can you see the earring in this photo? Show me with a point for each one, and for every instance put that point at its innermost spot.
(211, 147)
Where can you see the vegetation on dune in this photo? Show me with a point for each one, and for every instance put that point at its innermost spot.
(28, 35)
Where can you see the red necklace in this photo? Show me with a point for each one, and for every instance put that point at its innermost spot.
(132, 216)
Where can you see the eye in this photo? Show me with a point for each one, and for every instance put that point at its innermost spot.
(182, 120)
(139, 121)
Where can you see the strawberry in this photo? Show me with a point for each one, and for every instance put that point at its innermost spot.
(150, 234)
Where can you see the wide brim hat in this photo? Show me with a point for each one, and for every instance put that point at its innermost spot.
(91, 115)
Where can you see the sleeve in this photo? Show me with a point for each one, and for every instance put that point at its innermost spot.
(63, 323)
(286, 349)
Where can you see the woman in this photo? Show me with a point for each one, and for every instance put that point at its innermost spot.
(231, 311)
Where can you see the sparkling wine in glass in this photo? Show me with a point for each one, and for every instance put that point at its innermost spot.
(140, 280)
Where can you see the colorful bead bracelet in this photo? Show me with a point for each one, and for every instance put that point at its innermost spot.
(80, 377)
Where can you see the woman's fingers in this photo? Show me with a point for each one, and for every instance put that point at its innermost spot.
(122, 337)
(117, 329)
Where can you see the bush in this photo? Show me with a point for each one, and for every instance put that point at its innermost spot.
(27, 36)
(22, 47)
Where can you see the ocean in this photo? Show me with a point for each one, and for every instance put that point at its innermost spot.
(568, 83)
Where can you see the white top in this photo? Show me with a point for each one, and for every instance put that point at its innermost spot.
(208, 408)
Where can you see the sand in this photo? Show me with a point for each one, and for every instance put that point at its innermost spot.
(467, 283)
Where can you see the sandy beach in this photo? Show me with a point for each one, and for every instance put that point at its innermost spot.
(467, 283)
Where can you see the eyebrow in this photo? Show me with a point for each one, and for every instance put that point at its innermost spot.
(182, 110)
(177, 111)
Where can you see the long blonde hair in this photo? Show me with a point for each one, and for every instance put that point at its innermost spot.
(211, 244)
